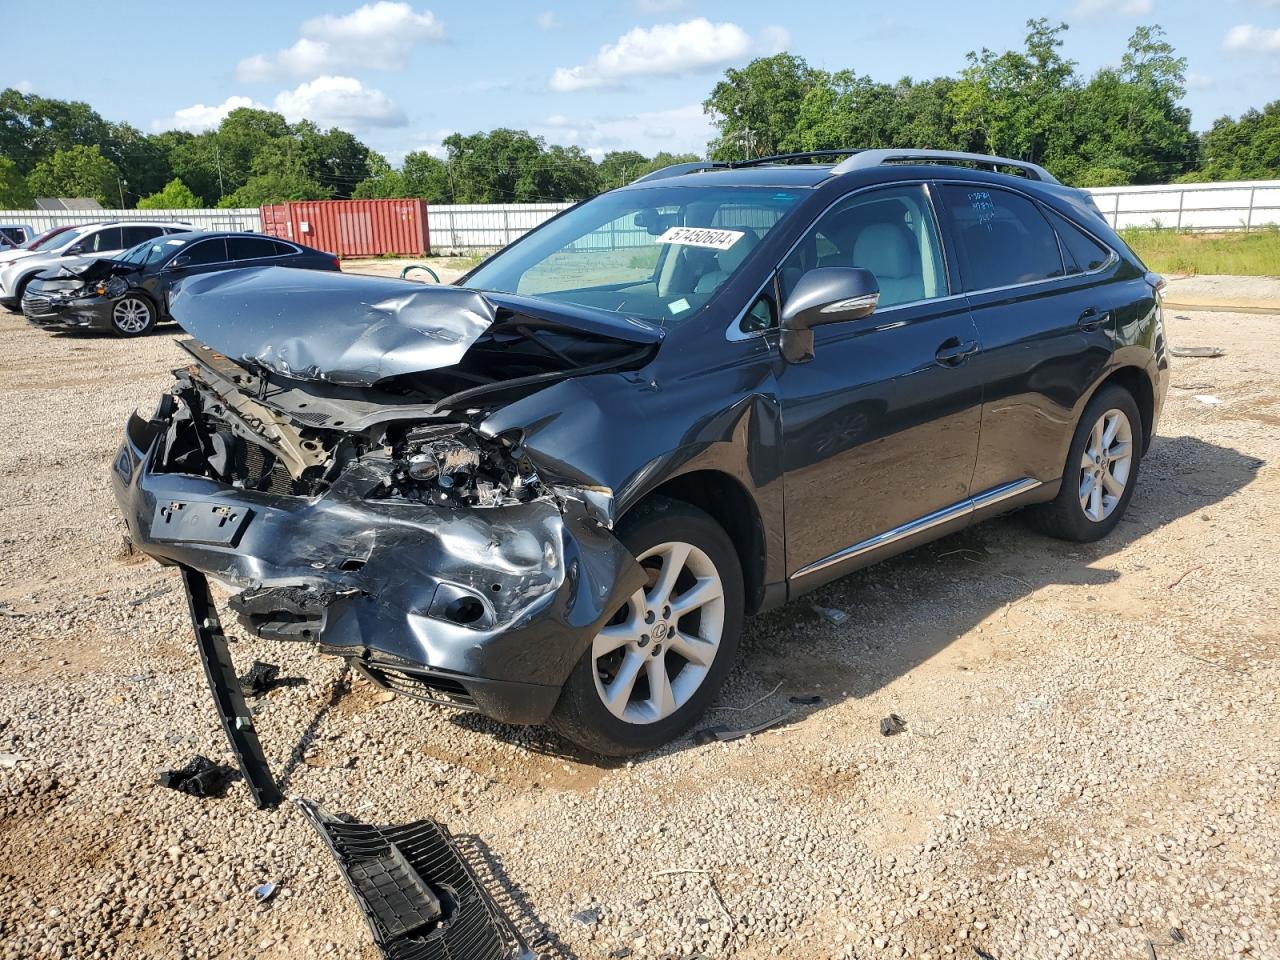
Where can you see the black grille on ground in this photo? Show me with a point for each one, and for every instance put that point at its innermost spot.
(421, 899)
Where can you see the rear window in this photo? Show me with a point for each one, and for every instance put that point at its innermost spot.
(1003, 238)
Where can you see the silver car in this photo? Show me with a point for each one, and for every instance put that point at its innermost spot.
(93, 241)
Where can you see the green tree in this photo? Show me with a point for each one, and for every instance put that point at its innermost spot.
(14, 194)
(77, 171)
(176, 195)
(660, 160)
(756, 109)
(33, 128)
(619, 167)
(512, 166)
(1018, 103)
(1244, 149)
(276, 187)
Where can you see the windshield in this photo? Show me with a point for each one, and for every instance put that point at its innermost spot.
(149, 251)
(657, 253)
(45, 240)
(62, 240)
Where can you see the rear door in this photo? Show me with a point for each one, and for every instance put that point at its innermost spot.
(880, 428)
(1047, 329)
(247, 251)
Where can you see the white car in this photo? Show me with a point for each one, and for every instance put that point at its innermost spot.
(91, 241)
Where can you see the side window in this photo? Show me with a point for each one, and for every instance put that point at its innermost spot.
(890, 232)
(761, 315)
(1003, 238)
(1082, 252)
(136, 235)
(249, 248)
(283, 249)
(206, 251)
(105, 239)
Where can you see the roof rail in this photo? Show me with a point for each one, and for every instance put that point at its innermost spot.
(874, 158)
(680, 169)
(778, 157)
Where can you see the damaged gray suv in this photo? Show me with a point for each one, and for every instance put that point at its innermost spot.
(553, 491)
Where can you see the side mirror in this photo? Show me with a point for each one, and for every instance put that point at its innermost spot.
(74, 250)
(825, 295)
(177, 263)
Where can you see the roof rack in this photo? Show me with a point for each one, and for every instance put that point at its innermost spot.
(680, 169)
(864, 159)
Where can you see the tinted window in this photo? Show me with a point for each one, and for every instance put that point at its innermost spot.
(206, 251)
(107, 238)
(1003, 238)
(136, 235)
(1082, 252)
(283, 249)
(890, 232)
(249, 248)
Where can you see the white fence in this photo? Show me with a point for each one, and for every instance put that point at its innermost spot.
(1242, 205)
(459, 228)
(229, 218)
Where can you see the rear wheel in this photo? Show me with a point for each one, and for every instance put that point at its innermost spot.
(132, 315)
(1101, 470)
(655, 666)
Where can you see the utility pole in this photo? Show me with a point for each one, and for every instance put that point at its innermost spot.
(121, 184)
(217, 159)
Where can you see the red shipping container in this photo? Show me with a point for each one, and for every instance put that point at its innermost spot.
(351, 228)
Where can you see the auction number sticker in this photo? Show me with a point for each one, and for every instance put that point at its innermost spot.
(707, 237)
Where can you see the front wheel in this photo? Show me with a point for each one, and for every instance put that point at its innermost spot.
(657, 663)
(1101, 470)
(132, 315)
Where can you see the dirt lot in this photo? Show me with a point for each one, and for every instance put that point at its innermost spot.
(1090, 758)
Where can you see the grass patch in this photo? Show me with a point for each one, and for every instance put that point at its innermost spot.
(1255, 254)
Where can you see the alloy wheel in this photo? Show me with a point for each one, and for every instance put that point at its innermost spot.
(654, 654)
(131, 315)
(1105, 465)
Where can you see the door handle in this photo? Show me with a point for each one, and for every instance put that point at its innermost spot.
(1092, 319)
(952, 353)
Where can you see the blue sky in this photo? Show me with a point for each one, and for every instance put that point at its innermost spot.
(605, 75)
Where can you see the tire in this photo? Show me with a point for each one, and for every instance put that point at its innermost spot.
(133, 315)
(1085, 509)
(639, 640)
(19, 289)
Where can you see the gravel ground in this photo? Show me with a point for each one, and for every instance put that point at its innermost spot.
(1089, 759)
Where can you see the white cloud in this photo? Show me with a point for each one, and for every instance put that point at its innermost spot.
(199, 118)
(666, 49)
(1126, 8)
(340, 102)
(380, 35)
(547, 20)
(1248, 37)
(679, 130)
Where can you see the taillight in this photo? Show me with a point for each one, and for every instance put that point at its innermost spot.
(337, 264)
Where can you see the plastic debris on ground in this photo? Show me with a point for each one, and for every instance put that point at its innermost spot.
(420, 898)
(831, 614)
(262, 678)
(1207, 398)
(200, 778)
(892, 724)
(1210, 352)
(723, 734)
(264, 892)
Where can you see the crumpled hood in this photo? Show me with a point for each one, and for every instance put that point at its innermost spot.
(342, 328)
(88, 270)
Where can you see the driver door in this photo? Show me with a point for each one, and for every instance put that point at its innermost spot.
(880, 428)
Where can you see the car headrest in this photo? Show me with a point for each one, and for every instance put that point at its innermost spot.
(729, 260)
(888, 250)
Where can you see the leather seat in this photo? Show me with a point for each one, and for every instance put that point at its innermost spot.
(728, 261)
(890, 252)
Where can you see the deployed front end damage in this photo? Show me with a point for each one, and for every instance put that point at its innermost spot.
(324, 456)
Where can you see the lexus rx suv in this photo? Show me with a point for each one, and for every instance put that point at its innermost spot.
(553, 491)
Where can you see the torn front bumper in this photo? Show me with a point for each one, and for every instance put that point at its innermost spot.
(62, 313)
(489, 609)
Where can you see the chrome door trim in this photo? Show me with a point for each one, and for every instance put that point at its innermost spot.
(956, 511)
